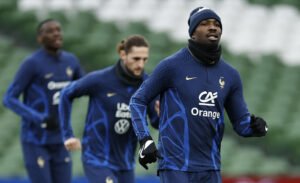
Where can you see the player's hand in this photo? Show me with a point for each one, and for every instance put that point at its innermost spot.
(259, 126)
(148, 152)
(156, 107)
(72, 144)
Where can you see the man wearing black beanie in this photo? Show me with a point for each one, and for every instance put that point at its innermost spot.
(196, 86)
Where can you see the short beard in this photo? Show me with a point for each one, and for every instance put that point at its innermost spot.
(130, 72)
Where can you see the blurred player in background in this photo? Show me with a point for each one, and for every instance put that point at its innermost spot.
(40, 80)
(195, 85)
(109, 142)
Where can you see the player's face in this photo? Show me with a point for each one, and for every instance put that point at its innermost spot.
(136, 59)
(208, 32)
(51, 36)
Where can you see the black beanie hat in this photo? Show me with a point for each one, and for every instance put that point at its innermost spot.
(199, 14)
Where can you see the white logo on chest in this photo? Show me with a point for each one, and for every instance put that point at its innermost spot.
(122, 110)
(122, 126)
(208, 98)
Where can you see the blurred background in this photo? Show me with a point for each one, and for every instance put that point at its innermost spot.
(260, 38)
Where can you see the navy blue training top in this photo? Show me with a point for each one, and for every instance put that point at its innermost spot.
(108, 139)
(40, 79)
(193, 99)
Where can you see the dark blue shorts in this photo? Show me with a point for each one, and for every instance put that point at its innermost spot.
(171, 176)
(103, 175)
(47, 163)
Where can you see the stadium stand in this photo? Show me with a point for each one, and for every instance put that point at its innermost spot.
(260, 43)
(258, 30)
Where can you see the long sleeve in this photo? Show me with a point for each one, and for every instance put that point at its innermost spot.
(152, 87)
(11, 98)
(76, 89)
(152, 114)
(79, 72)
(237, 110)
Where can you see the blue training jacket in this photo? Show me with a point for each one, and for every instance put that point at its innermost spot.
(108, 139)
(192, 103)
(39, 80)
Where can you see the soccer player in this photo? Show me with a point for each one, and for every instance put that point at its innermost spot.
(109, 142)
(195, 85)
(39, 80)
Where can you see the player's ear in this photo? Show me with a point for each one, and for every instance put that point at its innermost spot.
(39, 39)
(122, 54)
(193, 36)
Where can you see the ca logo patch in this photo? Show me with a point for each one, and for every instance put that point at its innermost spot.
(207, 98)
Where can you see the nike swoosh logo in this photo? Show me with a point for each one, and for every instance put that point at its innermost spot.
(141, 154)
(189, 78)
(110, 94)
(49, 75)
(147, 144)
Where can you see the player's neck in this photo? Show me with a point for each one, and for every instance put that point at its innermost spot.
(204, 53)
(53, 52)
(126, 76)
